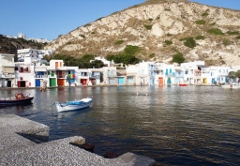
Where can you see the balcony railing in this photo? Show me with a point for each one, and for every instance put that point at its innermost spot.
(7, 75)
(41, 76)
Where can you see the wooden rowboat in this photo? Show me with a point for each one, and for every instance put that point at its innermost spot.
(19, 98)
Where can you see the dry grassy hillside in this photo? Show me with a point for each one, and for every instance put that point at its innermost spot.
(160, 28)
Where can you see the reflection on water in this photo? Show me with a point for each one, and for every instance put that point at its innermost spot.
(173, 125)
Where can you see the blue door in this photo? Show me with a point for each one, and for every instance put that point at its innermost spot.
(37, 82)
(120, 81)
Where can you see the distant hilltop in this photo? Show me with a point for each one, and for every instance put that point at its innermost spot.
(10, 44)
(21, 35)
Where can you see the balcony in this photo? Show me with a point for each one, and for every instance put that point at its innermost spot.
(170, 74)
(7, 75)
(41, 76)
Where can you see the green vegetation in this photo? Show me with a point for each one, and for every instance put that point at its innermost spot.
(238, 37)
(11, 45)
(151, 55)
(215, 31)
(168, 42)
(232, 75)
(150, 19)
(83, 62)
(123, 58)
(127, 57)
(178, 58)
(189, 42)
(200, 38)
(201, 22)
(99, 19)
(226, 42)
(205, 14)
(82, 36)
(233, 33)
(132, 50)
(148, 27)
(86, 25)
(119, 42)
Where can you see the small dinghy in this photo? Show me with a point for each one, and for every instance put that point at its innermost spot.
(73, 105)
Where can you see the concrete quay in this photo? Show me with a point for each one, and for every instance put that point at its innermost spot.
(24, 142)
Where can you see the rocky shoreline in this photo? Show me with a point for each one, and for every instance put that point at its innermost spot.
(24, 142)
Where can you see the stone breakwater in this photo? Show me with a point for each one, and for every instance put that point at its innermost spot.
(24, 142)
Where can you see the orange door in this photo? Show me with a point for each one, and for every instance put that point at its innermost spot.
(60, 82)
(160, 81)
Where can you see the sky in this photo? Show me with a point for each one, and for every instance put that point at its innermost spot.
(50, 18)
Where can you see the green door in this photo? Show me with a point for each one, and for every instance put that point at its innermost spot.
(52, 82)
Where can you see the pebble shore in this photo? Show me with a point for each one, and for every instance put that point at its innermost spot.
(24, 142)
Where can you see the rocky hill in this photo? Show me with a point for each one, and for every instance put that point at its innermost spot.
(11, 45)
(160, 28)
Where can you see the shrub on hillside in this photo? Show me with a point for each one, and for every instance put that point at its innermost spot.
(151, 55)
(168, 42)
(226, 42)
(233, 33)
(148, 27)
(189, 42)
(200, 38)
(201, 22)
(205, 14)
(119, 42)
(178, 58)
(215, 31)
(132, 50)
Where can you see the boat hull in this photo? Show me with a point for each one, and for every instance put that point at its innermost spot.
(182, 84)
(73, 105)
(7, 102)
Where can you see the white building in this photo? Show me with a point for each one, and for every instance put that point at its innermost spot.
(25, 67)
(7, 70)
(192, 72)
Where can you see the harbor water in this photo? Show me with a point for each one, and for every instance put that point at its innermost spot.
(192, 125)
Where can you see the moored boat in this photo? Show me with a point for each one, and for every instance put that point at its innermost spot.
(19, 98)
(182, 84)
(73, 105)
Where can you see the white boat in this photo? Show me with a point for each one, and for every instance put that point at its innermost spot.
(73, 105)
(231, 86)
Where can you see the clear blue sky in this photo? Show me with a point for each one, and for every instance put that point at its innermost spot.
(50, 18)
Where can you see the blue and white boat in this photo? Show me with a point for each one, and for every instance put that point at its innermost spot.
(73, 105)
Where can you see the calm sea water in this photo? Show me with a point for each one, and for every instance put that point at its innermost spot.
(193, 125)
